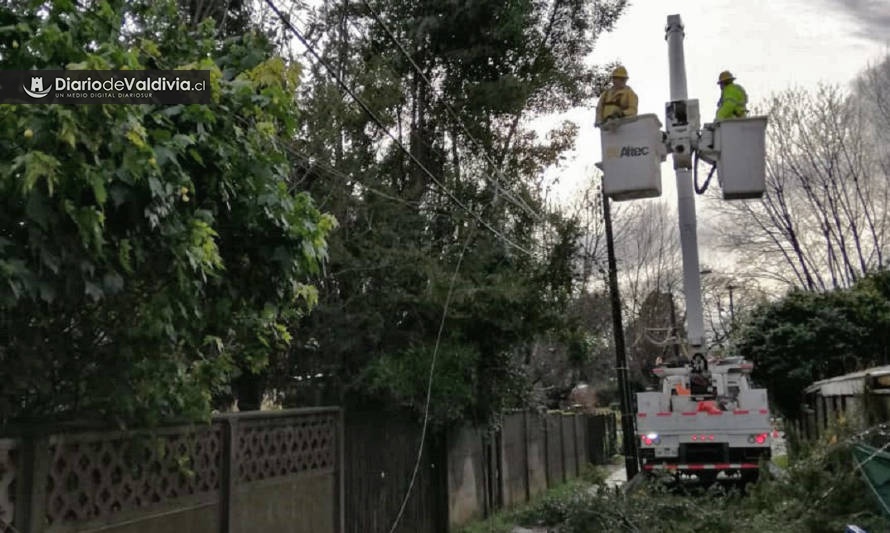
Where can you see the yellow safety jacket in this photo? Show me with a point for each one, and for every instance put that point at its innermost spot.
(733, 100)
(616, 102)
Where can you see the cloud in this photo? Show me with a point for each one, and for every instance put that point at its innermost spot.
(871, 16)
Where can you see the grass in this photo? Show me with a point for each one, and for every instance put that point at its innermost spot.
(781, 461)
(497, 523)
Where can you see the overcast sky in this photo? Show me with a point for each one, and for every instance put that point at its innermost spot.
(769, 45)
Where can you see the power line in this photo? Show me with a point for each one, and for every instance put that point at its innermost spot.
(516, 201)
(389, 134)
(314, 162)
(477, 221)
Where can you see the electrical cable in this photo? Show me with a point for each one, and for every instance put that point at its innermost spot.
(695, 175)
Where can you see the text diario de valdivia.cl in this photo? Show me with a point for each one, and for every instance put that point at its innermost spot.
(128, 84)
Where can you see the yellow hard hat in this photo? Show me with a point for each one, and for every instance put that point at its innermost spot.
(725, 76)
(619, 72)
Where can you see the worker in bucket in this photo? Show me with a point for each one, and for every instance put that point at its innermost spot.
(617, 102)
(733, 98)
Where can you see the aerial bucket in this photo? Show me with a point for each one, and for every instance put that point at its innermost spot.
(632, 153)
(741, 166)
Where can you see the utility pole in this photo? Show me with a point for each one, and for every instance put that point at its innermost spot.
(628, 432)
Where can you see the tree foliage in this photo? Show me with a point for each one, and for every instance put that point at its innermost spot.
(822, 223)
(147, 253)
(480, 206)
(806, 336)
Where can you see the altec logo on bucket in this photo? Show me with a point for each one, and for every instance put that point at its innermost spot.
(614, 152)
(634, 151)
(105, 87)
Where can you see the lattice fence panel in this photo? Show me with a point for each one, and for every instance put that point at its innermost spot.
(93, 475)
(274, 448)
(8, 456)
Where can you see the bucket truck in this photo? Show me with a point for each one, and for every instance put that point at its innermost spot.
(706, 418)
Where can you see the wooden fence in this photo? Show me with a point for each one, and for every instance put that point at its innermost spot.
(259, 471)
(301, 470)
(381, 452)
(529, 454)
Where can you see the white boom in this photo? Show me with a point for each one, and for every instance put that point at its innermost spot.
(680, 137)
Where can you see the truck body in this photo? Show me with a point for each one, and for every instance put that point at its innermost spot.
(704, 421)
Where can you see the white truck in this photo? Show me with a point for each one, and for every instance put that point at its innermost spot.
(704, 421)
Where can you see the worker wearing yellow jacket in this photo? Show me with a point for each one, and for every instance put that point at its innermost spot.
(619, 101)
(733, 99)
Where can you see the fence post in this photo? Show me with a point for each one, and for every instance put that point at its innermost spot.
(229, 473)
(499, 463)
(562, 439)
(31, 477)
(527, 461)
(546, 450)
(341, 475)
(575, 447)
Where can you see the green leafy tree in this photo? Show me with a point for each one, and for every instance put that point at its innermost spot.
(806, 336)
(148, 254)
(495, 65)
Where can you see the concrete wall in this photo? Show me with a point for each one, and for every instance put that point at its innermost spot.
(273, 472)
(553, 438)
(466, 476)
(537, 455)
(196, 518)
(569, 451)
(530, 454)
(286, 504)
(514, 463)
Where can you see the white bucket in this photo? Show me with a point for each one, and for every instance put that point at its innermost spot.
(632, 154)
(741, 168)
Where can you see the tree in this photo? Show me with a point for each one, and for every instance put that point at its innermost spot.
(823, 221)
(647, 249)
(647, 243)
(727, 301)
(873, 101)
(149, 253)
(808, 336)
(464, 191)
